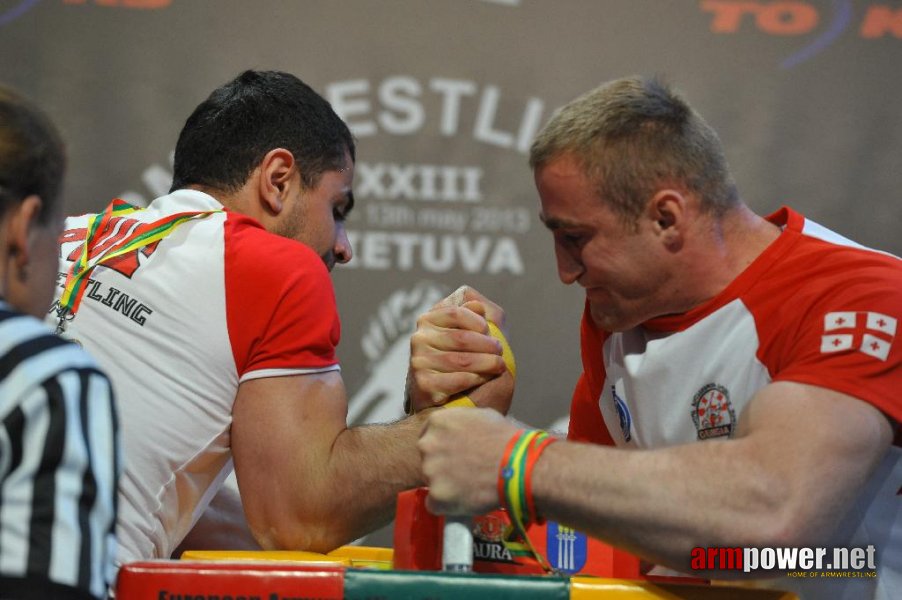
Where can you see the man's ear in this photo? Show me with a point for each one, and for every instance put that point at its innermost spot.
(23, 219)
(667, 210)
(276, 170)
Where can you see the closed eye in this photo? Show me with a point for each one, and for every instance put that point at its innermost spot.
(570, 239)
(343, 208)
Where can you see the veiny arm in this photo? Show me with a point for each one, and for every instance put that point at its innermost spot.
(800, 456)
(307, 481)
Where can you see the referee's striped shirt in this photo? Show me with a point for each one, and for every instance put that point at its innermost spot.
(59, 466)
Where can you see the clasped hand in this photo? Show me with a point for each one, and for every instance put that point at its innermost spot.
(452, 352)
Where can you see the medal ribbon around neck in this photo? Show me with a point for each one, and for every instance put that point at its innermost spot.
(141, 235)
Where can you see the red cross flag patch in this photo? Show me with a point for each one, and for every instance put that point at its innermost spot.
(868, 332)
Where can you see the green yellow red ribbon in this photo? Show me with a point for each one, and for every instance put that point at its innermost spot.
(515, 492)
(101, 246)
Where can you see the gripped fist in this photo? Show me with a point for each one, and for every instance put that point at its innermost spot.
(452, 352)
(461, 452)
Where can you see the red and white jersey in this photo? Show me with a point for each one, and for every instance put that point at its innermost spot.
(813, 308)
(178, 325)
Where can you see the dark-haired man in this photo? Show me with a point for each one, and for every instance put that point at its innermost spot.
(59, 447)
(213, 311)
(747, 369)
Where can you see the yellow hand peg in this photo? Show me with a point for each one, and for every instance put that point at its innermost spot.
(462, 400)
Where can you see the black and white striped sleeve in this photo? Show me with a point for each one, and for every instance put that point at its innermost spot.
(59, 467)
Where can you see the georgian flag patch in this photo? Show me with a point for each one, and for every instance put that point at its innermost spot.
(868, 332)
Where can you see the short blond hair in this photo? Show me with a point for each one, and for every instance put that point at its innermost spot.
(632, 135)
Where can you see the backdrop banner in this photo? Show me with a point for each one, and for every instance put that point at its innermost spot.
(444, 98)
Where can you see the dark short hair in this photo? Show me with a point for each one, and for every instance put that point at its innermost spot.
(32, 155)
(632, 135)
(229, 133)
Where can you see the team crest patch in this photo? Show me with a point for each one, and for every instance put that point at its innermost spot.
(568, 549)
(623, 414)
(712, 412)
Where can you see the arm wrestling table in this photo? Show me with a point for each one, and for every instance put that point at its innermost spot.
(584, 569)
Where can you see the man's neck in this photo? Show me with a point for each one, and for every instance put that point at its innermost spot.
(748, 235)
(725, 247)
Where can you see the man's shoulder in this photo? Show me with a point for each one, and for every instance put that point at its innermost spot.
(251, 249)
(816, 238)
(821, 262)
(809, 262)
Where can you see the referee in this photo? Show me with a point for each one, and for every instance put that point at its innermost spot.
(59, 447)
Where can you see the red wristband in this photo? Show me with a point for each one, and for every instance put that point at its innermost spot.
(534, 454)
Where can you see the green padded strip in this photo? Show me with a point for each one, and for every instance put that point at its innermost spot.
(361, 584)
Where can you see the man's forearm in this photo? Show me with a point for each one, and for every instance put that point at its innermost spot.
(370, 465)
(661, 503)
(640, 501)
(792, 471)
(356, 494)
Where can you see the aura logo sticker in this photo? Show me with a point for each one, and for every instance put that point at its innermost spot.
(803, 19)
